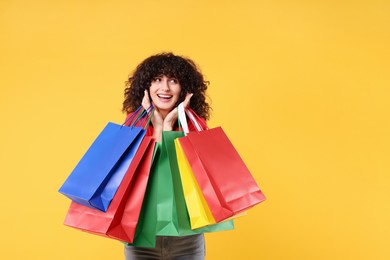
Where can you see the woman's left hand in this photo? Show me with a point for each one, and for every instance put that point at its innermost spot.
(171, 118)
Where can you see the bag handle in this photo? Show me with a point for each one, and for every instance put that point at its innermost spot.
(196, 120)
(182, 112)
(182, 118)
(140, 115)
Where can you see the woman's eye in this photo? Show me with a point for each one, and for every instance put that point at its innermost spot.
(174, 81)
(157, 79)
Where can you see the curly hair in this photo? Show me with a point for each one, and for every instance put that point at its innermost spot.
(183, 69)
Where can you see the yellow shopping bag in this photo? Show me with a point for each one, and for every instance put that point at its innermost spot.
(198, 210)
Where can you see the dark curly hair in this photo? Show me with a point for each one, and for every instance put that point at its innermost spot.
(183, 69)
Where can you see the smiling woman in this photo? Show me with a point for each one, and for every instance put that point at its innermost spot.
(164, 81)
(175, 69)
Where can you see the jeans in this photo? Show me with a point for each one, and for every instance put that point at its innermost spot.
(170, 248)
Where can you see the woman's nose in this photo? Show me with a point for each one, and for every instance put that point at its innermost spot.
(165, 85)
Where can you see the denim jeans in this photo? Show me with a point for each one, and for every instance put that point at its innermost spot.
(170, 248)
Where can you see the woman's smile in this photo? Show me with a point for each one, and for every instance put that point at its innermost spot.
(164, 97)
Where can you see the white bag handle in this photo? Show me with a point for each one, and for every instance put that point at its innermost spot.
(193, 120)
(183, 119)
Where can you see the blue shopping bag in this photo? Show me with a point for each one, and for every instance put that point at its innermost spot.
(96, 178)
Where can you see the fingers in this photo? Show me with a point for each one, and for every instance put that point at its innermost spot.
(145, 100)
(186, 101)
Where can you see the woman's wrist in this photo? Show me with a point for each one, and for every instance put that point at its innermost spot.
(158, 127)
(157, 133)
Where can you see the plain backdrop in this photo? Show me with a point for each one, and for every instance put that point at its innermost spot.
(301, 88)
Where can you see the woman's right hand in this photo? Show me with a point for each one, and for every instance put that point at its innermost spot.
(157, 120)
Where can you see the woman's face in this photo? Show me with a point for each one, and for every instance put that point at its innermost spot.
(164, 92)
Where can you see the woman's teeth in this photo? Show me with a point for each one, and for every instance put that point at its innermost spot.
(164, 96)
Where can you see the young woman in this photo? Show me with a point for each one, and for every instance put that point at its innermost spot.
(164, 81)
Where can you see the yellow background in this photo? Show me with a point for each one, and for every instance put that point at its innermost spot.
(302, 89)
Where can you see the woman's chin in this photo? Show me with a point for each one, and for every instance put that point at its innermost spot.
(164, 106)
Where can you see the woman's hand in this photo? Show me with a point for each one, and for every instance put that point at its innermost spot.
(157, 119)
(171, 118)
(159, 123)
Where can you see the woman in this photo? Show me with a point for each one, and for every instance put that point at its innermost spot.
(164, 81)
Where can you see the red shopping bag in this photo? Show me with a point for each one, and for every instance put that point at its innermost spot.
(225, 181)
(120, 220)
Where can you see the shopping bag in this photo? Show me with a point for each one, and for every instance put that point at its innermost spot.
(172, 218)
(225, 181)
(97, 176)
(145, 235)
(120, 220)
(164, 212)
(198, 210)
